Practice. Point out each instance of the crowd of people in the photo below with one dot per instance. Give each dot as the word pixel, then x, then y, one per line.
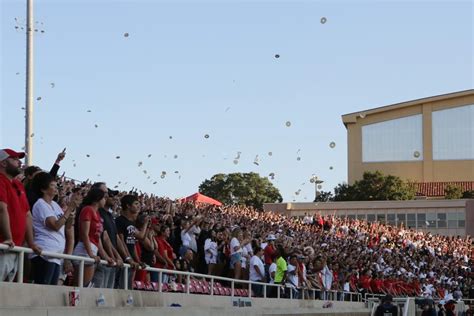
pixel 55 214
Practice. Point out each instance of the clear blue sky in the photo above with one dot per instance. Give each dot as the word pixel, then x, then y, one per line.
pixel 207 67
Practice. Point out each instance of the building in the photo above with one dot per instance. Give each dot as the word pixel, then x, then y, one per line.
pixel 429 141
pixel 444 217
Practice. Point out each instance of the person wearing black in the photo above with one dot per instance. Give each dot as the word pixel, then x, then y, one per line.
pixel 386 308
pixel 128 234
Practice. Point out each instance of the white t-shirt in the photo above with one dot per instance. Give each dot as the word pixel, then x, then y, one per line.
pixel 256 261
pixel 246 251
pixel 234 243
pixel 272 268
pixel 195 230
pixel 185 238
pixel 210 248
pixel 48 239
pixel 292 275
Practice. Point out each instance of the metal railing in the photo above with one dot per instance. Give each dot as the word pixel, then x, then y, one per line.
pixel 329 295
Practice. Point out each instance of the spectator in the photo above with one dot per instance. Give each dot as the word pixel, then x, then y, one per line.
pixel 90 229
pixel 128 234
pixel 236 253
pixel 257 271
pixel 15 215
pixel 386 308
pixel 50 223
pixel 165 255
pixel 104 276
pixel 210 248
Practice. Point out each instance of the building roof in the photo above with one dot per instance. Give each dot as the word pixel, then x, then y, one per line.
pixel 352 117
pixel 435 189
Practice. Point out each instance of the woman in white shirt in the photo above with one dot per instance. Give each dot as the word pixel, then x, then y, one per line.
pixel 210 252
pixel 49 225
pixel 257 271
pixel 236 253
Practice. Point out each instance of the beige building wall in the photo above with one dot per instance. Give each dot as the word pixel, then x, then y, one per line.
pixel 427 170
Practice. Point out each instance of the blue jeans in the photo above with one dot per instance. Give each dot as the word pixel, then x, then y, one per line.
pixel 104 277
pixel 44 272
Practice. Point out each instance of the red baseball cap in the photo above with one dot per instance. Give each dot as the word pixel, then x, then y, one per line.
pixel 9 153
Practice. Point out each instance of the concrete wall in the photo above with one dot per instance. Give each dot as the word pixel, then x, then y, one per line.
pixel 38 300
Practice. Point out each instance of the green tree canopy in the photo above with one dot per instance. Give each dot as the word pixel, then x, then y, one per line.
pixel 452 192
pixel 241 188
pixel 374 186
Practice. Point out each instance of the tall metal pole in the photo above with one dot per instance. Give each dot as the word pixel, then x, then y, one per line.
pixel 30 31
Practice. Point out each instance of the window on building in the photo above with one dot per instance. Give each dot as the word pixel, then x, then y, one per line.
pixel 461 220
pixel 401 219
pixel 431 220
pixel 421 220
pixel 351 216
pixel 381 218
pixel 394 140
pixel 391 219
pixel 452 220
pixel 411 220
pixel 453 133
pixel 361 217
pixel 370 218
pixel 442 220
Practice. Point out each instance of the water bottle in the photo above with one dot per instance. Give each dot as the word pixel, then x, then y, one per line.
pixel 101 300
pixel 130 300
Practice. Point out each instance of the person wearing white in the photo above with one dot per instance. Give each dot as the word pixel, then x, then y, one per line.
pixel 210 252
pixel 257 271
pixel 271 271
pixel 236 252
pixel 327 278
pixel 293 276
pixel 49 226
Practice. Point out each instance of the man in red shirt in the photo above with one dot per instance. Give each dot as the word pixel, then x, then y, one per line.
pixel 15 216
pixel 268 253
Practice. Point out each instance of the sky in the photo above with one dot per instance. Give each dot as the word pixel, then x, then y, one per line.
pixel 193 68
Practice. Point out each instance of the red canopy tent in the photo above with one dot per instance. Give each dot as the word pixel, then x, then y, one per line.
pixel 200 198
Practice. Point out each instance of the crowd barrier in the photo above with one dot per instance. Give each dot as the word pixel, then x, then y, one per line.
pixel 214 287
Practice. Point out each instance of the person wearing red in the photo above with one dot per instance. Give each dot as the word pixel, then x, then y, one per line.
pixel 165 252
pixel 15 215
pixel 268 253
pixel 90 229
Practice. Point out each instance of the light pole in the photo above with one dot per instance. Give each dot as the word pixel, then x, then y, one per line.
pixel 314 179
pixel 30 31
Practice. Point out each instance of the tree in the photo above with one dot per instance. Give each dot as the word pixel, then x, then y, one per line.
pixel 241 188
pixel 374 186
pixel 452 192
pixel 324 196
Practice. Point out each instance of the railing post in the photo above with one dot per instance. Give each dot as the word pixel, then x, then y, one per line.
pixel 265 290
pixel 250 289
pixel 278 291
pixel 291 293
pixel 212 286
pixel 21 265
pixel 160 281
pixel 188 283
pixel 232 286
pixel 125 278
pixel 81 274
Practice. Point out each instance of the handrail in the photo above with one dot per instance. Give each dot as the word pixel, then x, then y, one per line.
pixel 23 250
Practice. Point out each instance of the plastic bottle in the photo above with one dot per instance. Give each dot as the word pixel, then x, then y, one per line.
pixel 101 300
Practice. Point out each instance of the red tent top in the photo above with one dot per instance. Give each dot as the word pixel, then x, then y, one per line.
pixel 200 198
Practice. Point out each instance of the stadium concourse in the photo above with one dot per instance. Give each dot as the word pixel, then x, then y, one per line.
pixel 308 260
